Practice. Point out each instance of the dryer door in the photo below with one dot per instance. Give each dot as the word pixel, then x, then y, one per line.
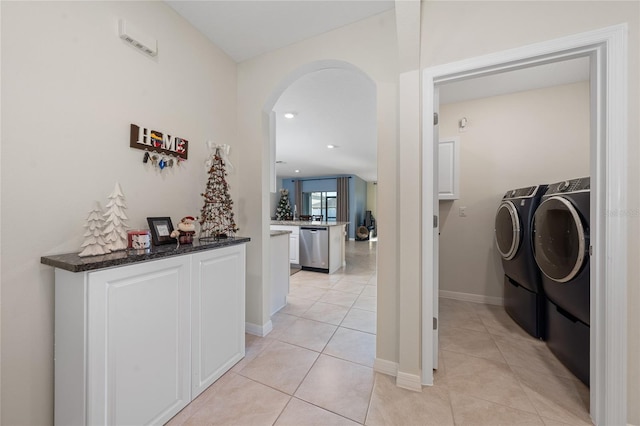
pixel 508 232
pixel 559 239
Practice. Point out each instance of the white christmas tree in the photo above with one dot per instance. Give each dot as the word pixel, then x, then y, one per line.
pixel 94 244
pixel 115 230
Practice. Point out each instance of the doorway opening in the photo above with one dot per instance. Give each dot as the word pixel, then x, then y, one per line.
pixel 323 127
pixel 606 50
pixel 312 146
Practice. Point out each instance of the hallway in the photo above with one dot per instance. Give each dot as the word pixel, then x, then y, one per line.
pixel 315 367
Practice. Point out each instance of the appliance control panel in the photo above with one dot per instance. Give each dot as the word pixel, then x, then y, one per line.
pixel 572 185
pixel 528 192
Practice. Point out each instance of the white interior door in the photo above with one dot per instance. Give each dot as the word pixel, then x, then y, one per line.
pixel 435 199
pixel 430 240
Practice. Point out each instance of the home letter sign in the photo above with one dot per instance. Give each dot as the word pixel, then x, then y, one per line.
pixel 153 140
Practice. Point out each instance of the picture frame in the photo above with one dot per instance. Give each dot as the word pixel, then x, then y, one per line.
pixel 161 229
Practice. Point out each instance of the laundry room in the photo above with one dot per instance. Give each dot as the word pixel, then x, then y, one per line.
pixel 510 141
pixel 517 138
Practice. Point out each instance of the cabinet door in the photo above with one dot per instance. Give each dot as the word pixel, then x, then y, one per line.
pixel 449 169
pixel 280 271
pixel 294 248
pixel 217 303
pixel 139 333
pixel 294 241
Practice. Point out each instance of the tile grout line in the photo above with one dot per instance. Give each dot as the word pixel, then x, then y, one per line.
pixel 338 326
pixel 494 338
pixel 520 383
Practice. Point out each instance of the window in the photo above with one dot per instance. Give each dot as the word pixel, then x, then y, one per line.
pixel 321 203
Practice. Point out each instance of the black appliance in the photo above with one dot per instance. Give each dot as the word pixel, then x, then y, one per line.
pixel 561 249
pixel 523 296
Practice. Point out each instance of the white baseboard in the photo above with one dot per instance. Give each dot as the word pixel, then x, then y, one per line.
pixel 258 330
pixel 383 366
pixel 475 298
pixel 403 380
pixel 409 381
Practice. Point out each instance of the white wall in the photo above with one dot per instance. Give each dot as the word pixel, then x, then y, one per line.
pixel 455 30
pixel 70 89
pixel 511 141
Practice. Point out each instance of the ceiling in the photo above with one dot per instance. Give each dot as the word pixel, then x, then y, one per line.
pixel 335 106
pixel 549 75
pixel 245 29
pixel 332 107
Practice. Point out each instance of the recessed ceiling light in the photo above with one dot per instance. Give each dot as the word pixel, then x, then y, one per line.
pixel 332 146
pixel 297 171
pixel 289 115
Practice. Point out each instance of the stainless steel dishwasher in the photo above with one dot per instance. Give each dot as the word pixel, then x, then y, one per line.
pixel 314 248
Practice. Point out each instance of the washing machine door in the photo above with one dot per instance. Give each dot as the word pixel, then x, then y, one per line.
pixel 559 239
pixel 508 232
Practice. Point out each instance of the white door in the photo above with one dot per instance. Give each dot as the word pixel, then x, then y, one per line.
pixel 430 239
pixel 435 199
pixel 139 332
pixel 217 308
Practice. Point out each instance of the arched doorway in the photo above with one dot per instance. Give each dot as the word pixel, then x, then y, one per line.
pixel 330 103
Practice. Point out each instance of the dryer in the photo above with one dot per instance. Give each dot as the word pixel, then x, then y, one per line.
pixel 561 248
pixel 523 299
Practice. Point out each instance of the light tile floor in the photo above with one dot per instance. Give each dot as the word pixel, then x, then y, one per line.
pixel 315 367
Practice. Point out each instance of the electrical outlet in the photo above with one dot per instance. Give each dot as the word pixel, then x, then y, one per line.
pixel 462 211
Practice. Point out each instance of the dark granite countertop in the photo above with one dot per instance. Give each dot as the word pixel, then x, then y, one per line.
pixel 74 263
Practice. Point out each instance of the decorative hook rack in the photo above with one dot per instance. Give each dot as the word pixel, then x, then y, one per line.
pixel 162 150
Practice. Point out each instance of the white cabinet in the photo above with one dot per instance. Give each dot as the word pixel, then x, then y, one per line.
pixel 336 248
pixel 217 305
pixel 135 344
pixel 294 247
pixel 280 271
pixel 449 169
pixel 294 241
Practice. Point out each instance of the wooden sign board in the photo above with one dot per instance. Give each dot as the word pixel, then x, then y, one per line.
pixel 153 140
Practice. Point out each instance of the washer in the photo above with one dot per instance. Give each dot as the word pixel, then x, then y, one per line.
pixel 561 249
pixel 523 299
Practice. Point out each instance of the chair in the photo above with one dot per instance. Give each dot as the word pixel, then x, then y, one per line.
pixel 306 217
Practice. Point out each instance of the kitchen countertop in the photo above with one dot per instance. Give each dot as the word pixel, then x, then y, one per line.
pixel 74 263
pixel 307 223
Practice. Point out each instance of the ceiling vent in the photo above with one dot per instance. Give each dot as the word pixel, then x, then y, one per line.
pixel 137 38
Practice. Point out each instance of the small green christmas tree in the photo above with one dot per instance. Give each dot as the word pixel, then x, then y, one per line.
pixel 283 211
